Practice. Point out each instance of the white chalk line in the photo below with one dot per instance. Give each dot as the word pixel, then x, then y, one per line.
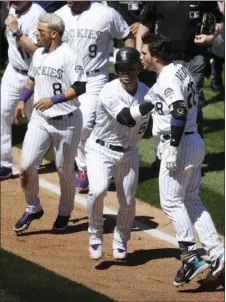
pixel 107 211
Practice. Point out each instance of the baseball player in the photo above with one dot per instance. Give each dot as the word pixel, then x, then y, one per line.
pixel 57 78
pixel 89 28
pixel 181 151
pixel 112 152
pixel 21 25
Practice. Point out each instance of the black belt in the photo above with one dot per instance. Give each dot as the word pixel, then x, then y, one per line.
pixel 92 72
pixel 167 136
pixel 61 117
pixel 112 147
pixel 21 71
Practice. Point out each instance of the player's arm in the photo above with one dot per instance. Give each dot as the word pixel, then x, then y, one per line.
pixel 21 38
pixel 145 24
pixel 128 116
pixel 120 30
pixel 69 94
pixel 24 97
pixel 177 122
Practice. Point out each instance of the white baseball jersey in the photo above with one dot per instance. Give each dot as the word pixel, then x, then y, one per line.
pixel 89 34
pixel 113 98
pixel 173 84
pixel 27 23
pixel 53 73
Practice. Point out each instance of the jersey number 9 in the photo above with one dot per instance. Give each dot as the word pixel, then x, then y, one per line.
pixel 92 51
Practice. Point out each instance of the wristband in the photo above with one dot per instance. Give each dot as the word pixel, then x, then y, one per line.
pixel 17 34
pixel 25 95
pixel 58 98
pixel 135 112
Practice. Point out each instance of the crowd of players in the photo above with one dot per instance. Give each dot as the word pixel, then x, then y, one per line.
pixel 137 25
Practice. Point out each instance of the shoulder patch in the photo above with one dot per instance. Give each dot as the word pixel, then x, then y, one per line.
pixel 79 69
pixel 168 92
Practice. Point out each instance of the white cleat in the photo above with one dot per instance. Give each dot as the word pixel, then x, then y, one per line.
pixel 119 254
pixel 95 251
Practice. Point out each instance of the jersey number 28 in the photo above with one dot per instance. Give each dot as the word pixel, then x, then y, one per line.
pixel 191 94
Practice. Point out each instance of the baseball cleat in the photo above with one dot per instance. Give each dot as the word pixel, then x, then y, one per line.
pixel 24 222
pixel 119 254
pixel 60 223
pixel 189 270
pixel 5 173
pixel 95 251
pixel 82 182
pixel 217 265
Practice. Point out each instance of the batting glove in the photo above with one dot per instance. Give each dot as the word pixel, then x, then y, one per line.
pixel 171 160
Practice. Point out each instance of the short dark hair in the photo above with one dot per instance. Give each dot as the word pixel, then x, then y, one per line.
pixel 158 45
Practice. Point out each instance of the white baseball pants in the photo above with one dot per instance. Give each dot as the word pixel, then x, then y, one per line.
pixel 64 135
pixel 88 107
pixel 102 164
pixel 11 87
pixel 179 194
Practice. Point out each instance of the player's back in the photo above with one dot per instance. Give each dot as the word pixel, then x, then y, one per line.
pixel 113 98
pixel 90 32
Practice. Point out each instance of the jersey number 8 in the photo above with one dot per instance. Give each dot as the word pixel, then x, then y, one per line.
pixel 57 88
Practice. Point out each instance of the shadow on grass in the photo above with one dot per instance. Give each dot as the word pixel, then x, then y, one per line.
pixel 23 281
pixel 213 125
pixel 214 162
pixel 140 257
pixel 217 98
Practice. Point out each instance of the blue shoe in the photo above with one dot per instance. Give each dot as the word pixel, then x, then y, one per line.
pixel 189 270
pixel 24 222
pixel 217 265
pixel 5 172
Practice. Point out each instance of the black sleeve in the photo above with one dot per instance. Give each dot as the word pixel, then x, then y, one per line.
pixel 125 118
pixel 146 14
pixel 79 87
pixel 212 7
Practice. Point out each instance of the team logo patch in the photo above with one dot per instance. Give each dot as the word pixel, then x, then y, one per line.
pixel 79 69
pixel 124 55
pixel 168 92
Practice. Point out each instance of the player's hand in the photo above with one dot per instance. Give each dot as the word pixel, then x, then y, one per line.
pixel 203 40
pixel 171 161
pixel 43 104
pixel 134 28
pixel 12 23
pixel 19 112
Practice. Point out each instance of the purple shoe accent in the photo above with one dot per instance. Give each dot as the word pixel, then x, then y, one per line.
pixel 95 246
pixel 121 250
pixel 25 217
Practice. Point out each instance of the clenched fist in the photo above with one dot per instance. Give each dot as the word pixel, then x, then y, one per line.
pixel 12 23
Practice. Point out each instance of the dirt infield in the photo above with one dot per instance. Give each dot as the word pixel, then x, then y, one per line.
pixel 147 276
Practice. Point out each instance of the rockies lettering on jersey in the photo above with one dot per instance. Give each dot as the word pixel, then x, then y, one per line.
pixel 48 71
pixel 90 34
pixel 53 73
